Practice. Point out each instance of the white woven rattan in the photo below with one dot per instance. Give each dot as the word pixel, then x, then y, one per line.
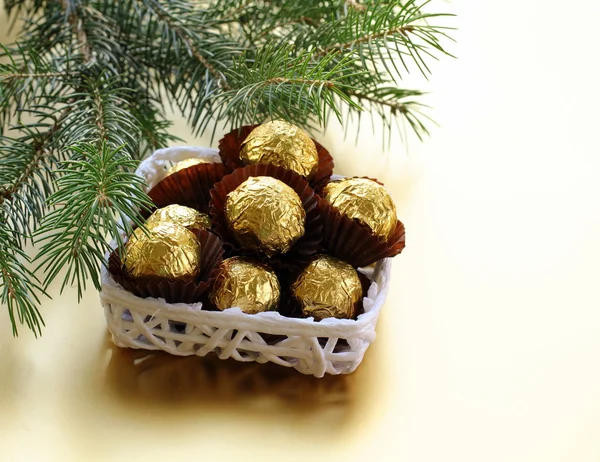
pixel 331 346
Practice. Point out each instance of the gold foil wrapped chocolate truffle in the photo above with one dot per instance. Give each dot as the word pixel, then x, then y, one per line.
pixel 265 214
pixel 327 287
pixel 365 200
pixel 282 144
pixel 166 250
pixel 186 163
pixel 245 283
pixel 182 216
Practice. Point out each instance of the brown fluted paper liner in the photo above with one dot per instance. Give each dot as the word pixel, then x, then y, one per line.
pixel 173 291
pixel 365 283
pixel 306 246
pixel 189 187
pixel 231 143
pixel 351 241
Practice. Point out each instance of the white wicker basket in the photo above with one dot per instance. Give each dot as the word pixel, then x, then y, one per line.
pixel 185 329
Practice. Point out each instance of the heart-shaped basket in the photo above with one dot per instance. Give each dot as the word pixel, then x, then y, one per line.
pixel 331 346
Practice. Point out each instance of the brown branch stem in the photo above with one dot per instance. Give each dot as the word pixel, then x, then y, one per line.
pixel 327 83
pixel 404 30
pixel 355 5
pixel 99 115
pixel 400 107
pixel 25 75
pixel 77 26
pixel 164 16
pixel 39 149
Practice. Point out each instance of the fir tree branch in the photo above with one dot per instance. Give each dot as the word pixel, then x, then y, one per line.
pixel 22 203
pixel 382 34
pixel 402 30
pixel 83 92
pixel 99 114
pixel 395 105
pixel 74 234
pixel 98 194
pixel 18 285
pixel 259 86
pixel 391 104
pixel 26 174
pixel 7 192
pixel 183 46
pixel 25 78
pixel 186 38
pixel 95 112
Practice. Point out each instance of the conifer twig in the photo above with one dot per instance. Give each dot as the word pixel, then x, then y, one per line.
pixel 83 92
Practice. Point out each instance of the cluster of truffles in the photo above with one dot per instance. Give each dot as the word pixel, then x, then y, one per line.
pixel 264 218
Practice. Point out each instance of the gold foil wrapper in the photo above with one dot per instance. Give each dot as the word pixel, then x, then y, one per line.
pixel 327 288
pixel 282 144
pixel 245 283
pixel 186 164
pixel 182 216
pixel 365 200
pixel 265 214
pixel 166 251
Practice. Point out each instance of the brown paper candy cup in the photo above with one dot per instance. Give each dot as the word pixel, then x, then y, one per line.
pixel 177 291
pixel 351 241
pixel 365 283
pixel 231 144
pixel 306 246
pixel 189 187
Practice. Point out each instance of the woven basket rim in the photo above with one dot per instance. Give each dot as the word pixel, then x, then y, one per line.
pixel 112 292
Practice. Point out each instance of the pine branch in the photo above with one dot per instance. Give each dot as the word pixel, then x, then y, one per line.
pixel 82 93
pixel 382 34
pixel 27 77
pixel 391 105
pixel 259 87
pixel 18 285
pixel 185 36
pixel 97 196
pixel 182 45
pixel 8 191
pixel 100 113
pixel 96 111
pixel 26 174
pixel 103 136
pixel 257 21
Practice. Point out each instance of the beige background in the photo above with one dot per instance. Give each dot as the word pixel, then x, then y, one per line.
pixel 489 344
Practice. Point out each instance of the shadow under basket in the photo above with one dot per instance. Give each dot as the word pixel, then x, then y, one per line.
pixel 331 346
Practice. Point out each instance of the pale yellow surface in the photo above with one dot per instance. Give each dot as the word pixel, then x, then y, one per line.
pixel 488 348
